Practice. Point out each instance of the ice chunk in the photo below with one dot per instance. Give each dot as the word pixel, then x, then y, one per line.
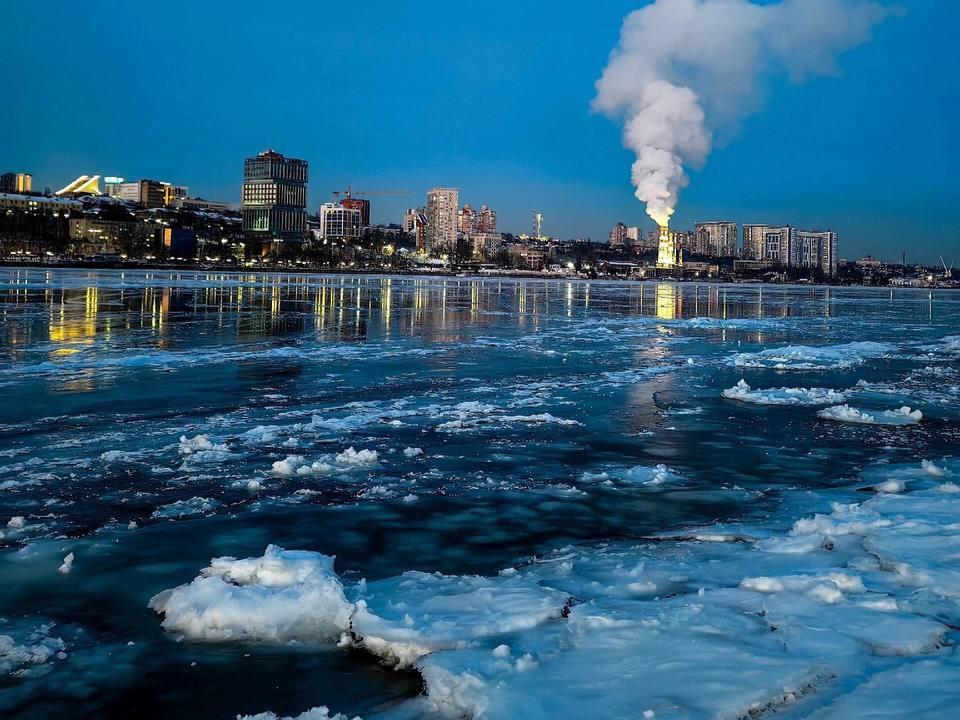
pixel 845 413
pixel 317 713
pixel 538 419
pixel 412 452
pixel 183 508
pixel 804 357
pixel 26 648
pixel 122 456
pixel 283 596
pixel 349 459
pixel 294 465
pixel 891 486
pixel 637 475
pixel 67 565
pixel 358 458
pixel 784 395
pixel 200 443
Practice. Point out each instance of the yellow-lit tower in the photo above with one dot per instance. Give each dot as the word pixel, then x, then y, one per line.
pixel 668 256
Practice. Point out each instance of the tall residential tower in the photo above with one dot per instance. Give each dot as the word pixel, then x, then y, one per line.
pixel 718 239
pixel 443 206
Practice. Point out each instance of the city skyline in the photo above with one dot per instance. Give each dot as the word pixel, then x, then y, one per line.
pixel 893 195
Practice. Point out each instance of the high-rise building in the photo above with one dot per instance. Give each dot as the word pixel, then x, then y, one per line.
pixel 634 236
pixel 415 223
pixel 776 243
pixel 618 236
pixel 410 219
pixel 274 200
pixel 754 239
pixel 16 182
pixel 815 250
pixel 488 220
pixel 697 243
pixel 719 239
pixel 442 210
pixel 339 221
pixel 361 205
pixel 467 220
pixel 653 239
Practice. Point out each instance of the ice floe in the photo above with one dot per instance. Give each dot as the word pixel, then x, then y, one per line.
pixel 185 508
pixel 949 345
pixel 637 476
pixel 317 713
pixel 122 456
pixel 784 395
pixel 848 414
pixel 762 623
pixel 804 357
pixel 27 649
pixel 746 324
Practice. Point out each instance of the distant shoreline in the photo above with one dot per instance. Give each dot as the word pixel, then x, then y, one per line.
pixel 421 272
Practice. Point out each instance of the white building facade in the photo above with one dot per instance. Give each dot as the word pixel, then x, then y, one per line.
pixel 443 205
pixel 337 221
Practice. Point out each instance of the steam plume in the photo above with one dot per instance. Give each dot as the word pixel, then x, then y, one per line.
pixel 685 69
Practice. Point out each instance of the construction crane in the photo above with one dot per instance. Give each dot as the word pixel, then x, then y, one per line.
pixel 947 271
pixel 350 192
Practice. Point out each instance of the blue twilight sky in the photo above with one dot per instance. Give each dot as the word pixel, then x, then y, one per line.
pixel 491 97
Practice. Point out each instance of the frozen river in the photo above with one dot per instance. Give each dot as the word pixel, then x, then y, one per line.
pixel 545 499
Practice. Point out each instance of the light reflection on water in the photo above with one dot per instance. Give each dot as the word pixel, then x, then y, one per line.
pixel 347 306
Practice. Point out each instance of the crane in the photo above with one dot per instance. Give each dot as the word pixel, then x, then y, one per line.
pixel 350 192
pixel 947 271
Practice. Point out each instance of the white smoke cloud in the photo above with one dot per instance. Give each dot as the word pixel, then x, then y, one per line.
pixel 685 68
